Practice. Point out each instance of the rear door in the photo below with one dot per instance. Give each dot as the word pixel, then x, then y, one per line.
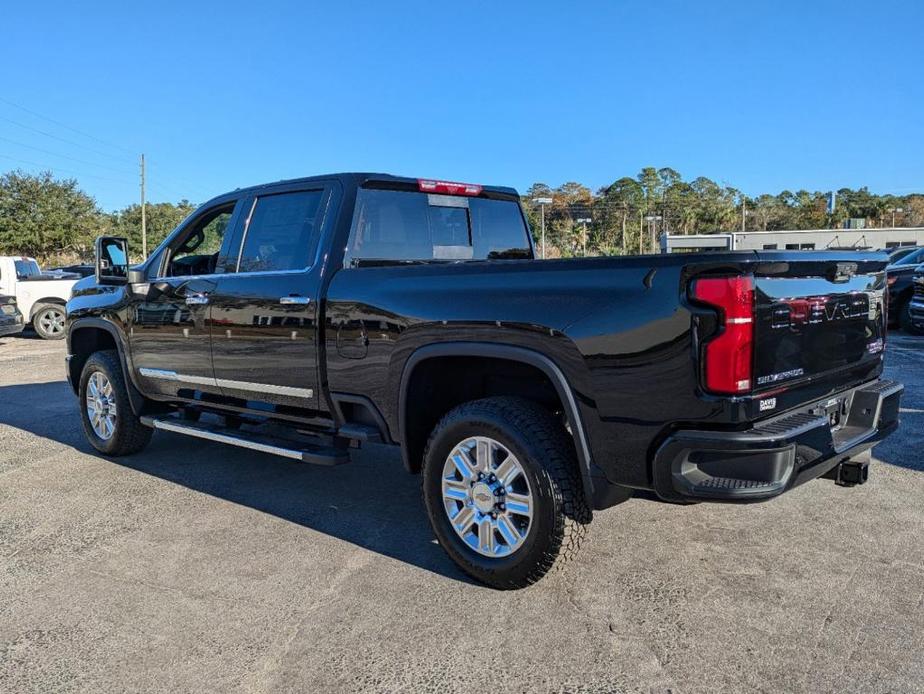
pixel 264 314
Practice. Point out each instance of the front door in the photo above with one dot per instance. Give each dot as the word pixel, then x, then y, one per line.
pixel 170 333
pixel 264 316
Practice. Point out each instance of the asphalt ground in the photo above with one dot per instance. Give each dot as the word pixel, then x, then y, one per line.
pixel 195 567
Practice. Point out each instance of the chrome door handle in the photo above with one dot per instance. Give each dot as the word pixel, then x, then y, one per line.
pixel 197 299
pixel 295 300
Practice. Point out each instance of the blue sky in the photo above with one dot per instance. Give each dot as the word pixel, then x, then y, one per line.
pixel 763 96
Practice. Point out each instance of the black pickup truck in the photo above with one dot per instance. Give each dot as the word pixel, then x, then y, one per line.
pixel 306 317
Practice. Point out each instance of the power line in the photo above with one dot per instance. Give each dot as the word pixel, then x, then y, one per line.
pixel 63 156
pixel 185 184
pixel 64 125
pixel 53 169
pixel 61 139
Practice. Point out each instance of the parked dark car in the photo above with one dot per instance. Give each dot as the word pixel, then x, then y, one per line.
pixel 896 254
pixel 11 320
pixel 900 289
pixel 303 317
pixel 915 323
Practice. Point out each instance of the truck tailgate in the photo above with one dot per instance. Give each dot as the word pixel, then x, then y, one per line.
pixel 816 319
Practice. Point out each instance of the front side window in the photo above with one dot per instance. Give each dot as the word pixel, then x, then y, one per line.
pixel 198 252
pixel 390 225
pixel 282 233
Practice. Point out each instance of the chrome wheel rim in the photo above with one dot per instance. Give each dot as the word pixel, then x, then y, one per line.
pixel 52 322
pixel 487 497
pixel 101 405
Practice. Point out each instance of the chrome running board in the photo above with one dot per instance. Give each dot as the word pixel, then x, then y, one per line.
pixel 287 448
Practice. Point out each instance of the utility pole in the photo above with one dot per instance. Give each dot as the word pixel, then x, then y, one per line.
pixel 893 210
pixel 584 221
pixel 744 213
pixel 542 202
pixel 144 226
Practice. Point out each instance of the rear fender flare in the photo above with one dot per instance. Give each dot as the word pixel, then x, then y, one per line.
pixel 511 353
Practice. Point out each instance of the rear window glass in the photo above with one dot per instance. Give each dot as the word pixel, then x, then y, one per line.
pixel 398 225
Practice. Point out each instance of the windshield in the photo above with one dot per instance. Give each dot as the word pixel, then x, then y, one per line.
pixel 26 268
pixel 913 258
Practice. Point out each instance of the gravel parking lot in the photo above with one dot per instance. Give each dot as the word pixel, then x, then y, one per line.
pixel 198 567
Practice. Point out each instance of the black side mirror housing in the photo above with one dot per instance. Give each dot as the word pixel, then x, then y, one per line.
pixel 112 260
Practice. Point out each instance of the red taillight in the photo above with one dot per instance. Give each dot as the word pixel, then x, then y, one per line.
pixel 728 355
pixel 448 187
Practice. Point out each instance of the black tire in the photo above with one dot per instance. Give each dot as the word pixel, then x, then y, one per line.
pixel 549 463
pixel 904 319
pixel 129 435
pixel 48 321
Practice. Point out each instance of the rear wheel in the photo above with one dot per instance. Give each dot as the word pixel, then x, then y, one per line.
pixel 108 421
pixel 48 321
pixel 502 491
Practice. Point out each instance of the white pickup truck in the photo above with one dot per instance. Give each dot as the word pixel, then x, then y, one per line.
pixel 40 297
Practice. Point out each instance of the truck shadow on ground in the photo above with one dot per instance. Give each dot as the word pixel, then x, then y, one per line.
pixel 371 502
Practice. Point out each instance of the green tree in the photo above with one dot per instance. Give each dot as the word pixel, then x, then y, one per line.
pixel 41 216
pixel 160 219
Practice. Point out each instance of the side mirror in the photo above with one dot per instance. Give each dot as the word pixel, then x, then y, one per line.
pixel 111 260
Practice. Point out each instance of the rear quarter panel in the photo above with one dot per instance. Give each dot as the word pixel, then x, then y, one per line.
pixel 617 328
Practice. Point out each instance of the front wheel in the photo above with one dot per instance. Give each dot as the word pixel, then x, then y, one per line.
pixel 503 492
pixel 48 321
pixel 105 410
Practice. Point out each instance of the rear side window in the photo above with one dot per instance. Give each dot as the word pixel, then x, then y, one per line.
pixel 398 225
pixel 282 232
pixel 26 268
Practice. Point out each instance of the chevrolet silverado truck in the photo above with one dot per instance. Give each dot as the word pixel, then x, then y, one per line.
pixel 41 297
pixel 306 317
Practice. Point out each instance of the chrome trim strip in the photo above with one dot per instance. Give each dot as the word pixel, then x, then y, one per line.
pixel 266 388
pixel 224 438
pixel 166 375
pixel 162 374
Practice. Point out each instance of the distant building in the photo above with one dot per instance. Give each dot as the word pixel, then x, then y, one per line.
pixel 803 239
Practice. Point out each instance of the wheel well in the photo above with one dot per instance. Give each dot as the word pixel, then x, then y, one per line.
pixel 83 343
pixel 45 302
pixel 439 384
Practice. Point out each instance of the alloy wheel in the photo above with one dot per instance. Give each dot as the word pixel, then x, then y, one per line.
pixel 101 405
pixel 487 496
pixel 51 321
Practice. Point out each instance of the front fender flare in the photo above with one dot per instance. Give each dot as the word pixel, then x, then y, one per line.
pixel 134 395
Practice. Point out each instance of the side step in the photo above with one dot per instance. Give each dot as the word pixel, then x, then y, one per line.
pixel 317 454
